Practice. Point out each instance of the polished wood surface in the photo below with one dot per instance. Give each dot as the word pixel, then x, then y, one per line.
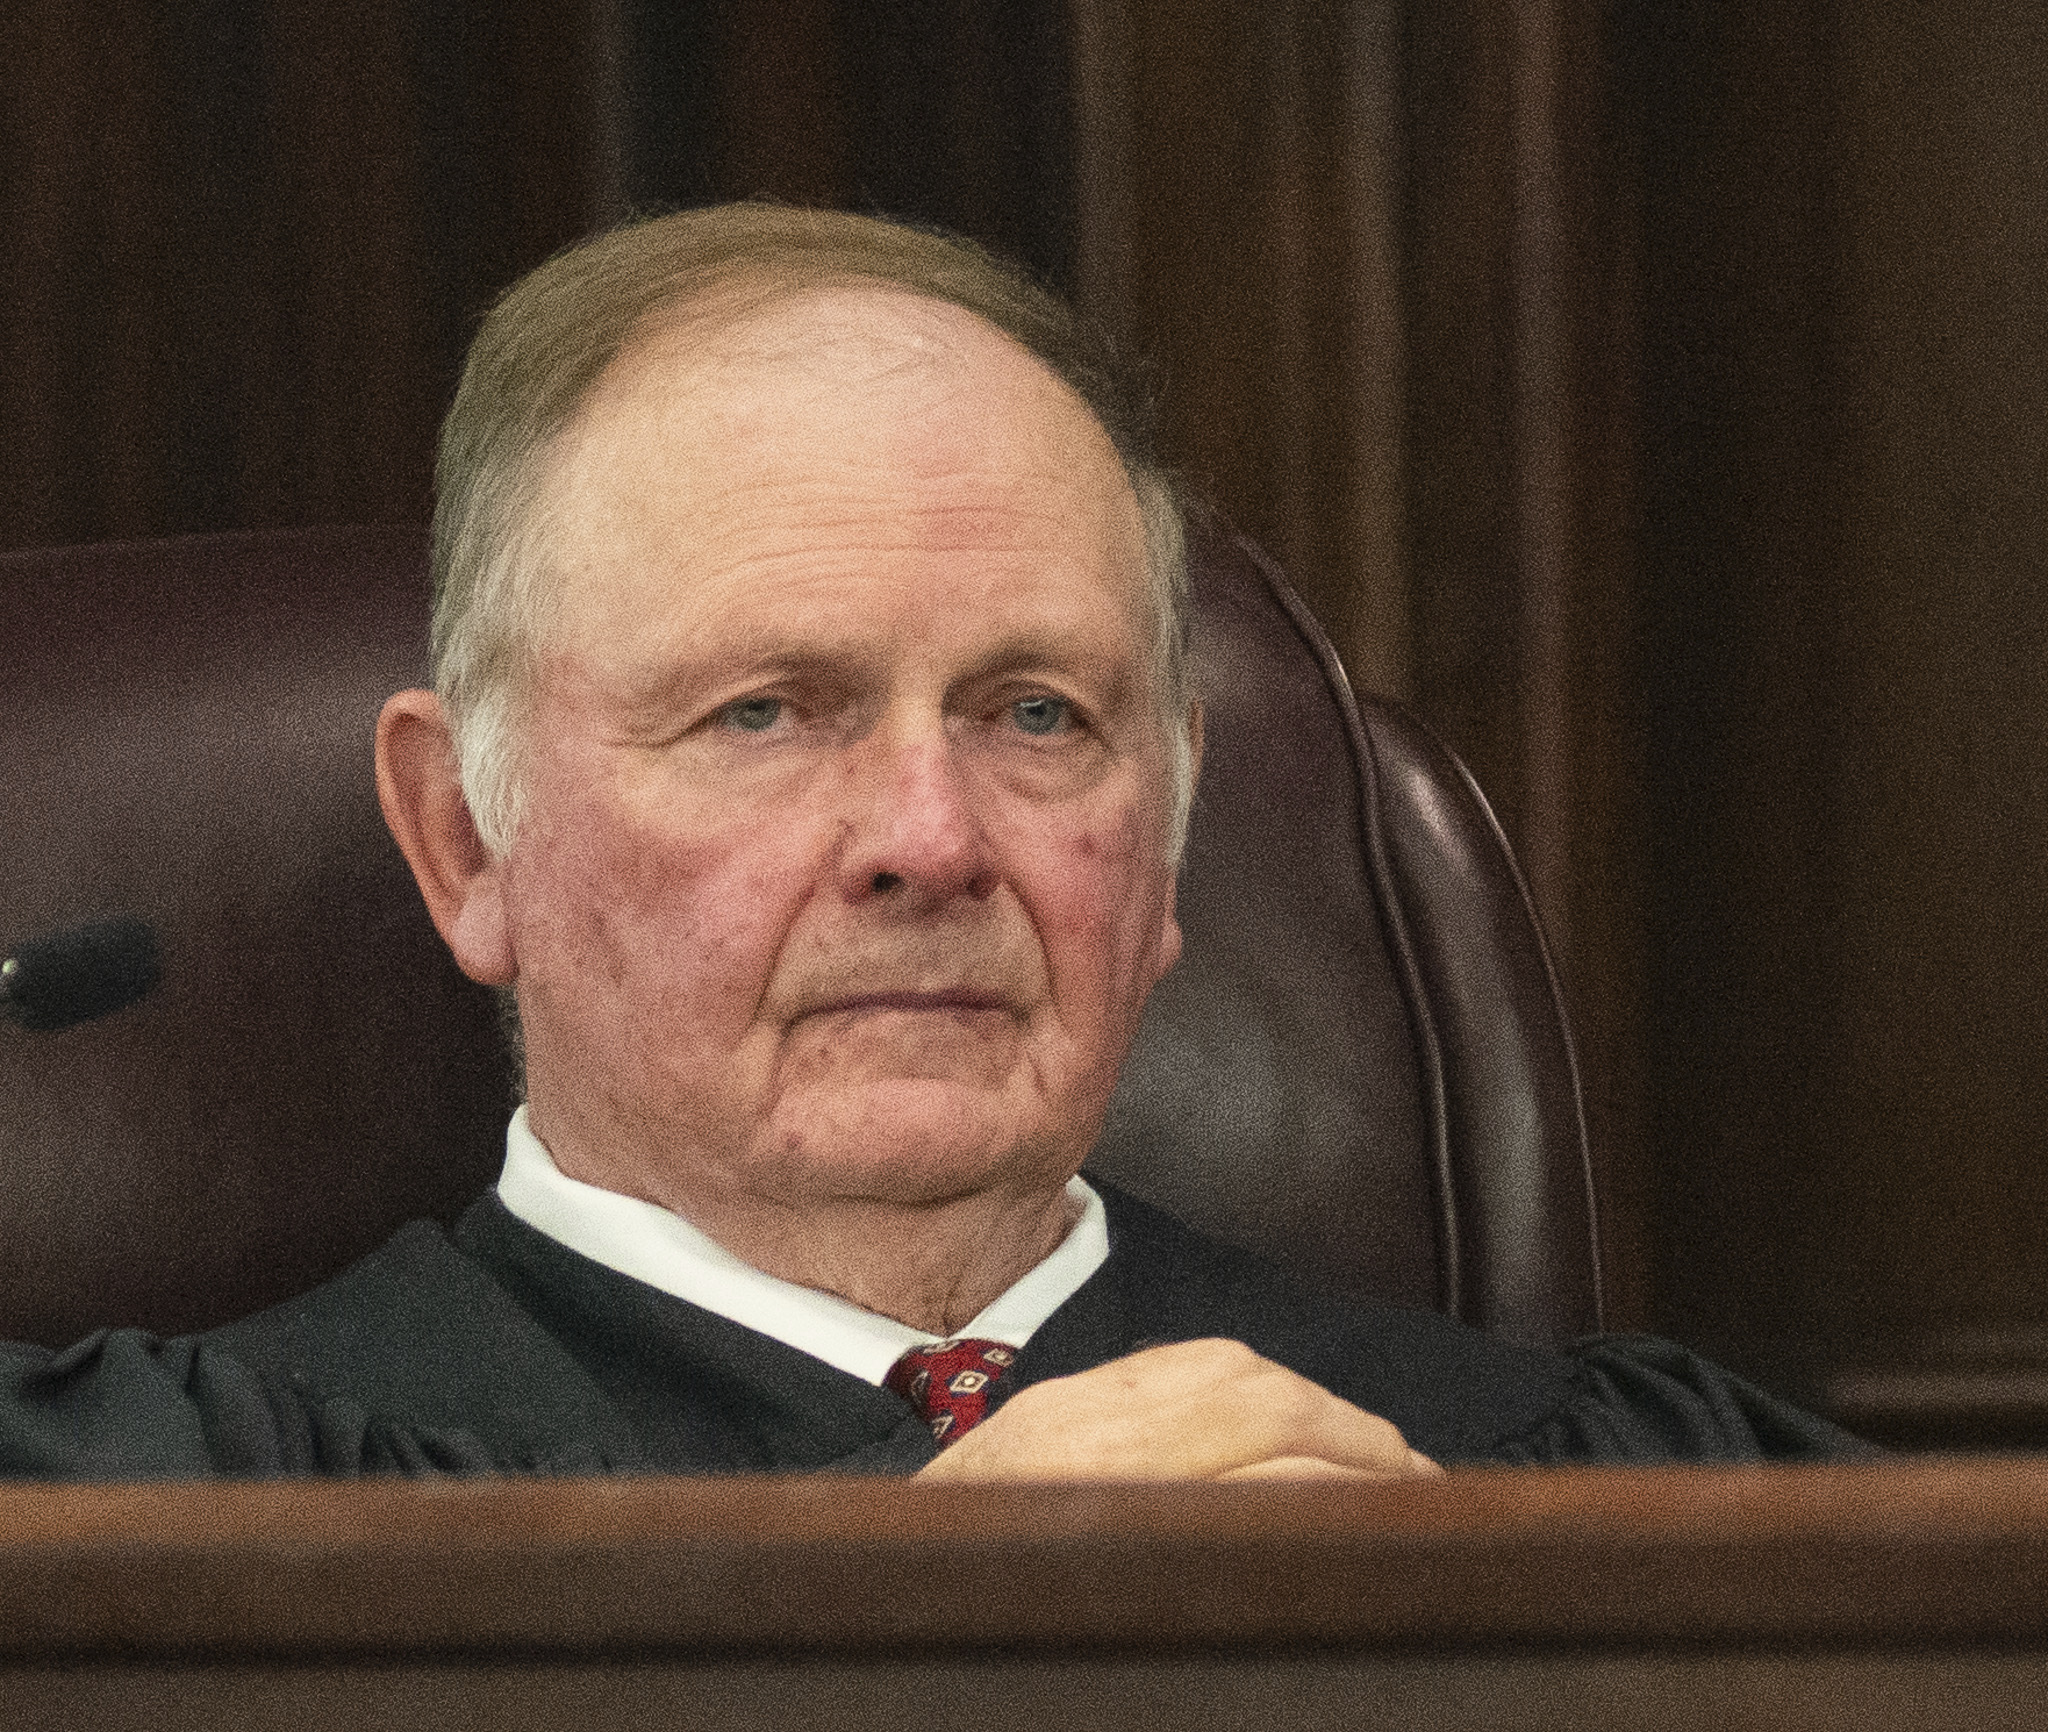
pixel 1939 1553
pixel 1901 1596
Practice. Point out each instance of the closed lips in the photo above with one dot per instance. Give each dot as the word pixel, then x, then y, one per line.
pixel 954 1000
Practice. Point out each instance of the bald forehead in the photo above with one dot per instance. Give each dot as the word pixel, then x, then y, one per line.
pixel 848 331
pixel 863 390
pixel 842 352
pixel 822 427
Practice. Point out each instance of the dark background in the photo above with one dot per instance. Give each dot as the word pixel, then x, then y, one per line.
pixel 1652 394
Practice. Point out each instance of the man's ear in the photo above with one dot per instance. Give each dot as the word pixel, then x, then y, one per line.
pixel 420 789
pixel 1169 932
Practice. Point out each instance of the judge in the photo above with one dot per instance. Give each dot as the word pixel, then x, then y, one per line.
pixel 808 762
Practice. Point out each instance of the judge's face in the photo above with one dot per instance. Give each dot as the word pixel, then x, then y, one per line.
pixel 844 868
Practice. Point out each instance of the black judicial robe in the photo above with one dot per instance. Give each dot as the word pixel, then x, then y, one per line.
pixel 495 1349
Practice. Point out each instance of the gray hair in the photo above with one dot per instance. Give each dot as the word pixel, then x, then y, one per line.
pixel 546 343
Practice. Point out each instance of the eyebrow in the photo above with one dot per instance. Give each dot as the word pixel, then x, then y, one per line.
pixel 833 660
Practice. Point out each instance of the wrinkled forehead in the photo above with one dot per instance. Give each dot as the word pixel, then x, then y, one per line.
pixel 838 333
pixel 864 406
pixel 874 361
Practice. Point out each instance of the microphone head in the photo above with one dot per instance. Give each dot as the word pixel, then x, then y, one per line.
pixel 80 973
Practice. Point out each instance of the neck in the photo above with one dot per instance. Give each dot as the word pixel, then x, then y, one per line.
pixel 931 1264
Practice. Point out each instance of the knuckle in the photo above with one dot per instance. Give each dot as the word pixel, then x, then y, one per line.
pixel 1208 1358
pixel 1230 1358
pixel 1303 1403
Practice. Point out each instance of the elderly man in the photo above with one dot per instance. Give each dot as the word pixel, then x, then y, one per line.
pixel 809 759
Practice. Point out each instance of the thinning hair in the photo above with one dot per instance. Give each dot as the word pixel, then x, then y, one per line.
pixel 542 350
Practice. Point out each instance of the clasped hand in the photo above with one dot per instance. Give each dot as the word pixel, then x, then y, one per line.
pixel 1192 1410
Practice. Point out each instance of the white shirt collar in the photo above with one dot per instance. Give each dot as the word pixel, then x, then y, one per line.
pixel 650 1244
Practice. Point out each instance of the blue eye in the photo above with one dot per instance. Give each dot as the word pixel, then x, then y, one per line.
pixel 752 715
pixel 1040 715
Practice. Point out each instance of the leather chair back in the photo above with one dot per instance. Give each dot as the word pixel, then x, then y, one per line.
pixel 1361 1064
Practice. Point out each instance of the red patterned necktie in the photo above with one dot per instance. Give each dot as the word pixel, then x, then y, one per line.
pixel 948 1382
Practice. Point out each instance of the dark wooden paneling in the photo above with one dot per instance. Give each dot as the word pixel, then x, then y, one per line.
pixel 248 242
pixel 921 109
pixel 781 105
pixel 1938 1073
pixel 963 118
pixel 1519 258
pixel 1242 246
pixel 1458 265
pixel 1846 385
pixel 1739 549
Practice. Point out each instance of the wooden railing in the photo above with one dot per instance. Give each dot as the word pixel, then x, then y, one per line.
pixel 1870 1594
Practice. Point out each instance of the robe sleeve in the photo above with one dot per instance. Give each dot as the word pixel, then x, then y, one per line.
pixel 124 1405
pixel 1637 1399
pixel 121 1404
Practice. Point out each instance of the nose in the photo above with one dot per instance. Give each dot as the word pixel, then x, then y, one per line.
pixel 913 835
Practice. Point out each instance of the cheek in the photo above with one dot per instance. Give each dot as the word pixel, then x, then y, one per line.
pixel 1098 895
pixel 655 925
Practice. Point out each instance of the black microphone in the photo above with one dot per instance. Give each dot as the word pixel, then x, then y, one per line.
pixel 80 973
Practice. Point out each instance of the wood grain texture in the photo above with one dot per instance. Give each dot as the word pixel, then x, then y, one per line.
pixel 1939 1554
pixel 1844 1691
pixel 1845 378
pixel 248 243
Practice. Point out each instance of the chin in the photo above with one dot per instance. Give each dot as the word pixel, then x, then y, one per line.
pixel 912 1142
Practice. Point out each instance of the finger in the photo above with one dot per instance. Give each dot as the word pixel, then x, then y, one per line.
pixel 1310 1467
pixel 1183 1410
pixel 1304 1419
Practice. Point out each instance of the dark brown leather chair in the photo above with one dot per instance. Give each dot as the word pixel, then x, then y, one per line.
pixel 1361 1065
